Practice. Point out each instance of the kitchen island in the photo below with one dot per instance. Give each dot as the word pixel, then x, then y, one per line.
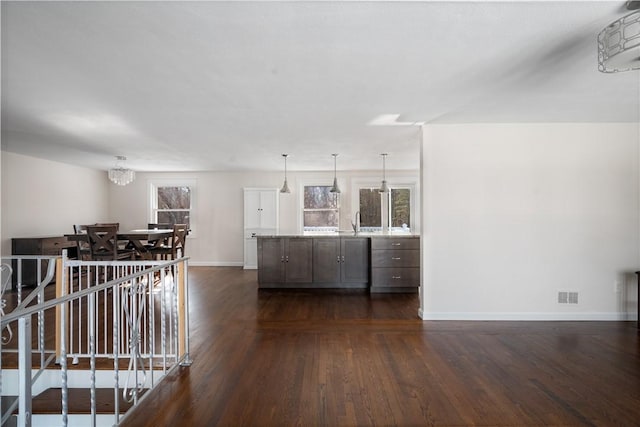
pixel 379 262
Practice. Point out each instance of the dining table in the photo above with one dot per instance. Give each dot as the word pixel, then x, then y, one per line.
pixel 136 239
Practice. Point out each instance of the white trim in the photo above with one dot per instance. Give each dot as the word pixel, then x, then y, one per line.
pixel 216 263
pixel 527 316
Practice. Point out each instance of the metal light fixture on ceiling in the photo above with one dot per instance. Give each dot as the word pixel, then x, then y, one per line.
pixel 619 43
pixel 335 188
pixel 384 188
pixel 285 186
pixel 119 174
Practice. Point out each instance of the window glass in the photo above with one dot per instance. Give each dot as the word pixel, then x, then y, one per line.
pixel 174 198
pixel 400 207
pixel 370 207
pixel 173 205
pixel 319 197
pixel 321 210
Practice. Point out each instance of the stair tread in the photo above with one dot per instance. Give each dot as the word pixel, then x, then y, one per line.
pixel 50 401
pixel 10 361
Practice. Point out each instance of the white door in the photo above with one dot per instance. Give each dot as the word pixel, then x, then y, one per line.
pixel 269 209
pixel 252 208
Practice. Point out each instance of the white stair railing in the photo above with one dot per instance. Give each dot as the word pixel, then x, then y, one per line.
pixel 132 310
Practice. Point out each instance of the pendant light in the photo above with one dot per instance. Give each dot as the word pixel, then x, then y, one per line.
pixel 285 186
pixel 335 188
pixel 384 188
pixel 121 175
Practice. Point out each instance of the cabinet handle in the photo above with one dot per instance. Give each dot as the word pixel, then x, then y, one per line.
pixel 395 257
pixel 396 277
pixel 395 244
pixel 287 258
pixel 342 258
pixel 338 258
pixel 282 258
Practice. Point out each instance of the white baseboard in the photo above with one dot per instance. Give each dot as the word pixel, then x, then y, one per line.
pixel 216 263
pixel 594 316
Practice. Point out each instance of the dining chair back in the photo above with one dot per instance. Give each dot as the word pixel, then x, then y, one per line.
pixel 109 224
pixel 103 243
pixel 175 244
pixel 179 239
pixel 84 251
pixel 158 226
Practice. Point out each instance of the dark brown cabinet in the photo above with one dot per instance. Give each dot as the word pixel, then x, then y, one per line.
pixel 51 245
pixel 395 264
pixel 341 262
pixel 284 261
pixel 385 263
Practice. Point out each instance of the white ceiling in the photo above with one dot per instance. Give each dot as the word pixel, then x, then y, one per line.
pixel 182 86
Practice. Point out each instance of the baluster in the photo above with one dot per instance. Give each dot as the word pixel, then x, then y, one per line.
pixel 92 354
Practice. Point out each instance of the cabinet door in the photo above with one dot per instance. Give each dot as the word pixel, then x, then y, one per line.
pixel 355 264
pixel 250 253
pixel 298 260
pixel 270 260
pixel 251 209
pixel 269 209
pixel 326 260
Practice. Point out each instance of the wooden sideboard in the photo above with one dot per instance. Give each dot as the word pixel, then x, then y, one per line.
pixel 50 245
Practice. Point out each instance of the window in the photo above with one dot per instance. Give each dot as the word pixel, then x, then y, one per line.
pixel 371 205
pixel 172 203
pixel 400 208
pixel 321 210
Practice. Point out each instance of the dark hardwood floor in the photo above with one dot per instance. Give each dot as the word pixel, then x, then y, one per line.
pixel 330 358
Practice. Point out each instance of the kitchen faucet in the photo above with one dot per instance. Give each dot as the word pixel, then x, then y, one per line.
pixel 356 225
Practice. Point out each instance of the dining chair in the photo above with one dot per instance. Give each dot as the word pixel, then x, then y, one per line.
pixel 103 243
pixel 84 251
pixel 109 224
pixel 176 243
pixel 158 242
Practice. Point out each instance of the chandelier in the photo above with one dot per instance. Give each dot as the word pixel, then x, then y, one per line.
pixel 121 175
pixel 619 43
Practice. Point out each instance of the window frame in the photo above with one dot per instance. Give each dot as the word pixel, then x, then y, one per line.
pixel 153 210
pixel 410 183
pixel 315 182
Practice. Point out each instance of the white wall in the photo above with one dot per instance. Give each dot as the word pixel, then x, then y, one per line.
pixel 45 198
pixel 219 201
pixel 514 213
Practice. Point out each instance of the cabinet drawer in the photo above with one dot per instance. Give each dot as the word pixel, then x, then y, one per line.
pixel 390 277
pixel 395 243
pixel 55 245
pixel 395 258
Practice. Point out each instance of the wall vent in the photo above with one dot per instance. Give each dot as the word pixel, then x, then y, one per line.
pixel 565 297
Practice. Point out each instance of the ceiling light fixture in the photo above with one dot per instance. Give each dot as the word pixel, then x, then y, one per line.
pixel 619 43
pixel 335 188
pixel 285 186
pixel 121 175
pixel 384 188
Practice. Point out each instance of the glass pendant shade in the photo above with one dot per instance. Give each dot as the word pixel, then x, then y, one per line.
pixel 121 175
pixel 384 188
pixel 334 188
pixel 285 186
